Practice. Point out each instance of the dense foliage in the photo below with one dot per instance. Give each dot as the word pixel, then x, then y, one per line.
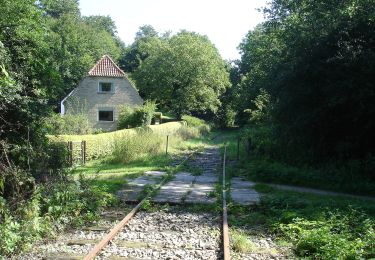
pixel 47 211
pixel 315 60
pixel 184 73
pixel 46 47
pixel 135 117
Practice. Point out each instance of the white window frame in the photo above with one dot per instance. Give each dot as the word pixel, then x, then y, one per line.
pixel 105 92
pixel 106 109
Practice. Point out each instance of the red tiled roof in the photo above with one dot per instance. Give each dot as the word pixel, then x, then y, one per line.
pixel 107 68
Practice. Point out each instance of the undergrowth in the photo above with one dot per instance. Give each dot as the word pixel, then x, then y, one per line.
pixel 316 227
pixel 50 209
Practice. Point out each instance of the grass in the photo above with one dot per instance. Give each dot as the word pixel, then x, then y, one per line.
pixel 259 167
pixel 111 177
pixel 240 242
pixel 315 226
pixel 111 173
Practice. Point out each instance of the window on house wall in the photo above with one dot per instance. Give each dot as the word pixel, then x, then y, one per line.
pixel 105 87
pixel 105 114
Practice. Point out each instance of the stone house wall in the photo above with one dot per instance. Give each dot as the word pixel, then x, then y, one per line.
pixel 87 99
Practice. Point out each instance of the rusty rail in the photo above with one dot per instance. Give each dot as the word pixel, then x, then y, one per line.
pixel 226 247
pixel 98 247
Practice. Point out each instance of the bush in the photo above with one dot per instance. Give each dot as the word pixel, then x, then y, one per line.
pixel 68 124
pixel 51 207
pixel 135 117
pixel 198 123
pixel 193 121
pixel 126 118
pixel 145 113
pixel 337 235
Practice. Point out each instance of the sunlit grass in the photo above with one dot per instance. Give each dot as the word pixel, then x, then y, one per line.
pixel 241 243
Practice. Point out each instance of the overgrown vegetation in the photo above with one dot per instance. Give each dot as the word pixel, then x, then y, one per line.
pixel 317 227
pixel 135 117
pixel 42 212
pixel 264 161
pixel 69 124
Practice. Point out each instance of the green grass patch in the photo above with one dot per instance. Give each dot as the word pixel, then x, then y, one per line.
pixel 263 170
pixel 111 177
pixel 241 243
pixel 317 227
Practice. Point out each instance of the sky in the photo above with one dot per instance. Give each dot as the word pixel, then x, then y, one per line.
pixel 224 22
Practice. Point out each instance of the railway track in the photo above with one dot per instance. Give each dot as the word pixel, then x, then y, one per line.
pixel 167 232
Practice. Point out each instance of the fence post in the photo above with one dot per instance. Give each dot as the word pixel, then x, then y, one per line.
pixel 166 147
pixel 70 149
pixel 238 148
pixel 83 152
pixel 248 146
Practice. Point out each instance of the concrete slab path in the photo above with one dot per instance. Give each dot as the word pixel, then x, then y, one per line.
pixel 188 188
pixel 135 187
pixel 242 193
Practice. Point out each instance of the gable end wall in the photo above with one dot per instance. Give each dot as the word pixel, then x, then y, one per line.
pixel 89 100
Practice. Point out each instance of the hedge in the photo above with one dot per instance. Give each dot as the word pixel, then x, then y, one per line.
pixel 99 145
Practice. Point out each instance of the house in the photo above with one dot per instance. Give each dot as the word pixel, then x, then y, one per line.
pixel 100 95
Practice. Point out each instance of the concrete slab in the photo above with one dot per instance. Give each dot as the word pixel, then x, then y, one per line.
pixel 173 191
pixel 206 179
pixel 184 177
pixel 200 193
pixel 135 186
pixel 141 181
pixel 238 182
pixel 242 193
pixel 155 173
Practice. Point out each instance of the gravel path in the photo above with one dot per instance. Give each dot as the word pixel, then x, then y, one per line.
pixel 75 243
pixel 167 235
pixel 163 234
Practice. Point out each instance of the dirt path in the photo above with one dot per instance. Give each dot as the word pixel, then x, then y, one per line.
pixel 317 191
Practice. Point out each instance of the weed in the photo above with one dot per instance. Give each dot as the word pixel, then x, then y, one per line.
pixel 241 243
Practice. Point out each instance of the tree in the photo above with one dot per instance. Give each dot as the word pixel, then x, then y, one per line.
pixel 102 23
pixel 316 60
pixel 185 73
pixel 138 51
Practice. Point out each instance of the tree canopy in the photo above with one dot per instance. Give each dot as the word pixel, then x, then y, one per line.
pixel 46 47
pixel 316 60
pixel 184 73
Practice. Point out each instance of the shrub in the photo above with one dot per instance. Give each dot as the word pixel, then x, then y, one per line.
pixel 126 118
pixel 198 123
pixel 225 117
pixel 68 124
pixel 135 117
pixel 193 121
pixel 145 113
pixel 337 235
pixel 51 206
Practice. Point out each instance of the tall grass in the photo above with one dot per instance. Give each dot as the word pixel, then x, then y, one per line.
pixel 129 148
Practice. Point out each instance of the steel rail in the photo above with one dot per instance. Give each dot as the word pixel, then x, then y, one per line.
pixel 114 231
pixel 226 247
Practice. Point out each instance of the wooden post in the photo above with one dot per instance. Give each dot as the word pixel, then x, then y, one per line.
pixel 248 146
pixel 166 147
pixel 238 148
pixel 70 150
pixel 83 152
